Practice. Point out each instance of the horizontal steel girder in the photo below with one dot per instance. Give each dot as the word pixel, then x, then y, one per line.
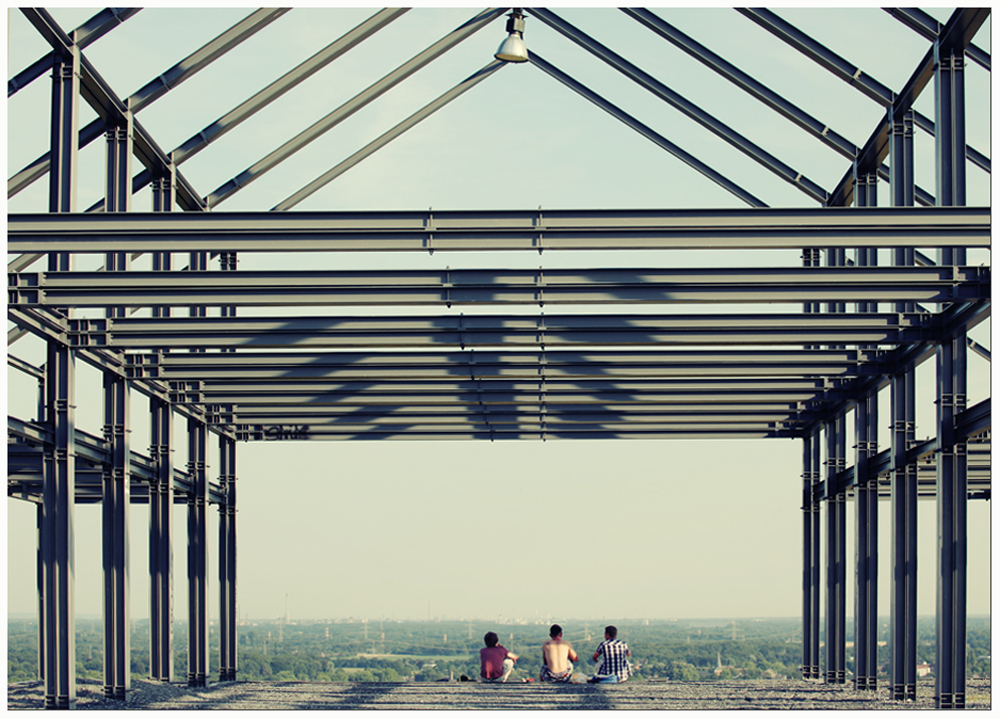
pixel 610 369
pixel 542 433
pixel 447 287
pixel 508 331
pixel 747 392
pixel 480 417
pixel 362 397
pixel 500 230
pixel 362 410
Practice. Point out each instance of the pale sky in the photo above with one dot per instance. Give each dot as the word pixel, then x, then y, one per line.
pixel 567 529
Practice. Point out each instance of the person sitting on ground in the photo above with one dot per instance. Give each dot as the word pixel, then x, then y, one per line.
pixel 496 662
pixel 615 667
pixel 557 658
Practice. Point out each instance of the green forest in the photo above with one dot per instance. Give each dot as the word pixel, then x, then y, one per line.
pixel 424 651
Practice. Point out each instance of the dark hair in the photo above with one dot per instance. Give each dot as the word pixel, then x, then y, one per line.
pixel 491 639
pixel 611 630
pixel 555 631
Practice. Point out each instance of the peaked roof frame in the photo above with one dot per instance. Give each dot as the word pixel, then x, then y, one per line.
pixel 687 371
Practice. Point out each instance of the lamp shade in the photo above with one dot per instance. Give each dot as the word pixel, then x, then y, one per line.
pixel 512 49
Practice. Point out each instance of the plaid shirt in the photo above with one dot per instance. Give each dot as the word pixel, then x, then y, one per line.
pixel 614 659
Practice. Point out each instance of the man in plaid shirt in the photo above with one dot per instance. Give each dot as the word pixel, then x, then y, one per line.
pixel 615 667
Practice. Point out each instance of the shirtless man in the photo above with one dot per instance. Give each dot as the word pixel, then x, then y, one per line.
pixel 557 658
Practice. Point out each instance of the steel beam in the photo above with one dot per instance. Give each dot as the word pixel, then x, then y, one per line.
pixel 203 57
pixel 434 230
pixel 326 123
pixel 161 575
pixel 385 138
pixel 864 285
pixel 484 331
pixel 821 131
pixel 646 131
pixel 820 54
pixel 478 364
pixel 197 556
pixel 682 104
pixel 286 82
pixel 472 415
pixel 490 433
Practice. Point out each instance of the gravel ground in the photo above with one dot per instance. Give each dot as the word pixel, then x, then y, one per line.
pixel 780 694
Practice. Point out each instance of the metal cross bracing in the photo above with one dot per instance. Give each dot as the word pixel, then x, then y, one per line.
pixel 738 343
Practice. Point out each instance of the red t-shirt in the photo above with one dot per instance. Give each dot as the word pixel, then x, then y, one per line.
pixel 492 661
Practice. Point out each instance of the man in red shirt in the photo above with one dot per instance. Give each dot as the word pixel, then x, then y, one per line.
pixel 496 662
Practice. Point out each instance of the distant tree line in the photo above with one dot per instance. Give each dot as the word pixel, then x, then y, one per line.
pixel 431 651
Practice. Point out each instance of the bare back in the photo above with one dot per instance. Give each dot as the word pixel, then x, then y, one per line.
pixel 556 655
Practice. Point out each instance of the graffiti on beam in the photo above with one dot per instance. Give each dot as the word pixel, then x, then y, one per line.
pixel 286 432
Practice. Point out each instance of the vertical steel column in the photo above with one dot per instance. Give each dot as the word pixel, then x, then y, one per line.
pixel 807 638
pixel 59 466
pixel 197 556
pixel 40 584
pixel 164 189
pixel 227 262
pixel 42 413
pixel 810 557
pixel 816 563
pixel 903 501
pixel 836 548
pixel 161 491
pixel 227 561
pixel 952 467
pixel 811 258
pixel 901 161
pixel 903 621
pixel 115 497
pixel 836 500
pixel 63 138
pixel 58 495
pixel 811 522
pixel 866 547
pixel 841 646
pixel 161 552
pixel 866 488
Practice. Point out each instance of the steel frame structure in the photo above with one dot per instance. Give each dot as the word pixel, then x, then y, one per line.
pixel 502 375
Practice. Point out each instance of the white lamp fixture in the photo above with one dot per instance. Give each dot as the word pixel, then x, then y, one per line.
pixel 513 48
